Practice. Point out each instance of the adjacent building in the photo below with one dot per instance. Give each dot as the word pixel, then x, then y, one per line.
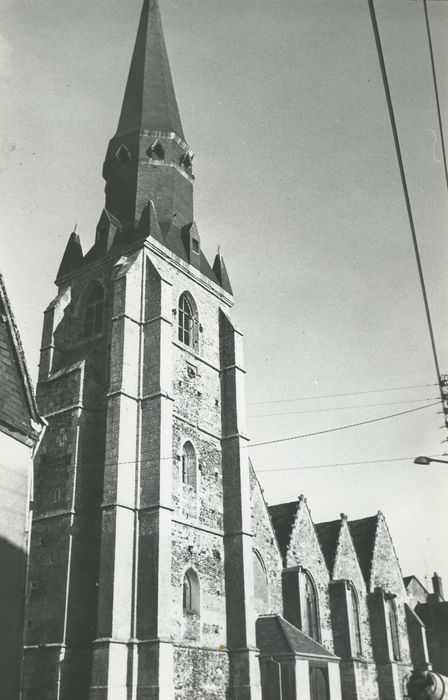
pixel 20 430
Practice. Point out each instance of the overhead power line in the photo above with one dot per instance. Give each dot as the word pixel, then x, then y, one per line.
pixel 205 453
pixel 337 464
pixel 349 393
pixel 341 408
pixel 436 89
pixel 405 187
pixel 342 427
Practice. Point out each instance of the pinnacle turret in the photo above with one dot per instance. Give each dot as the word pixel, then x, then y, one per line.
pixel 73 256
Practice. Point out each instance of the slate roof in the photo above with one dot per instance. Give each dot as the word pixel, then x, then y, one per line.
pixel 168 235
pixel 149 101
pixel 328 536
pixel 363 534
pixel 18 410
pixel 276 637
pixel 283 517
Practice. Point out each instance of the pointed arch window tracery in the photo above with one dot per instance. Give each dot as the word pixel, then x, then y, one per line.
pixel 354 621
pixel 187 321
pixel 391 610
pixel 310 611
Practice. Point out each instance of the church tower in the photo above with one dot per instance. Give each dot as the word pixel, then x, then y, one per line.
pixel 140 582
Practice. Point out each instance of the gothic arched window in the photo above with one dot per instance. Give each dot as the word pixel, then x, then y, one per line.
pixel 93 311
pixel 310 611
pixel 187 321
pixel 353 616
pixel 261 588
pixel 393 628
pixel 191 592
pixel 189 466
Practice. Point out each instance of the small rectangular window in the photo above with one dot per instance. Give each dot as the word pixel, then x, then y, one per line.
pixel 195 245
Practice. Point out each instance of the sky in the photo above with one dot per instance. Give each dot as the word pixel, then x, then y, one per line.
pixel 297 181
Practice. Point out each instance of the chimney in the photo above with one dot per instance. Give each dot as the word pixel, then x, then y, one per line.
pixel 437 586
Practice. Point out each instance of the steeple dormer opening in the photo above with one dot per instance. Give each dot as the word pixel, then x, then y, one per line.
pixel 123 155
pixel 156 151
pixel 187 161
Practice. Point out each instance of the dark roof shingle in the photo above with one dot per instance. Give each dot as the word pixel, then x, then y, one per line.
pixel 276 636
pixel 18 410
pixel 363 534
pixel 328 536
pixel 283 517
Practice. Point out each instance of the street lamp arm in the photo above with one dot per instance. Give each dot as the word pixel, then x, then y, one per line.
pixel 427 460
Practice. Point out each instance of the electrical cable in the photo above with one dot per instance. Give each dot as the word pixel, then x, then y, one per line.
pixel 405 187
pixel 336 396
pixel 342 427
pixel 342 408
pixel 436 89
pixel 337 464
pixel 271 442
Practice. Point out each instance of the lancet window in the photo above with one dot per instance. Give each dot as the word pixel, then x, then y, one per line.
pixel 189 466
pixel 93 319
pixel 187 321
pixel 355 628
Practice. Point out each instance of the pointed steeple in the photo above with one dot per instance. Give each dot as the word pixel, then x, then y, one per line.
pixel 147 158
pixel 149 101
pixel 148 166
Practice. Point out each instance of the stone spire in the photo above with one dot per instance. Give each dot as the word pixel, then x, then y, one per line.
pixel 149 101
pixel 148 158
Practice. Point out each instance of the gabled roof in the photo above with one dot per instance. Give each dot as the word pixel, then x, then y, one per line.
pixel 277 637
pixel 149 101
pixel 363 534
pixel 19 416
pixel 168 235
pixel 283 518
pixel 407 580
pixel 328 536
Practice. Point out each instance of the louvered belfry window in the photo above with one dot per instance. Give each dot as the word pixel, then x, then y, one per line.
pixel 93 311
pixel 187 322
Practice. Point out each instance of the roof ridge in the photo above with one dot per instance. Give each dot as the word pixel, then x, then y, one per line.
pixel 20 355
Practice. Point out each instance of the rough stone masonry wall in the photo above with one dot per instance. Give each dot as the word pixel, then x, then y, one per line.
pixel 386 573
pixel 265 543
pixel 304 550
pixel 346 567
pixel 200 674
pixel 68 475
pixel 200 659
